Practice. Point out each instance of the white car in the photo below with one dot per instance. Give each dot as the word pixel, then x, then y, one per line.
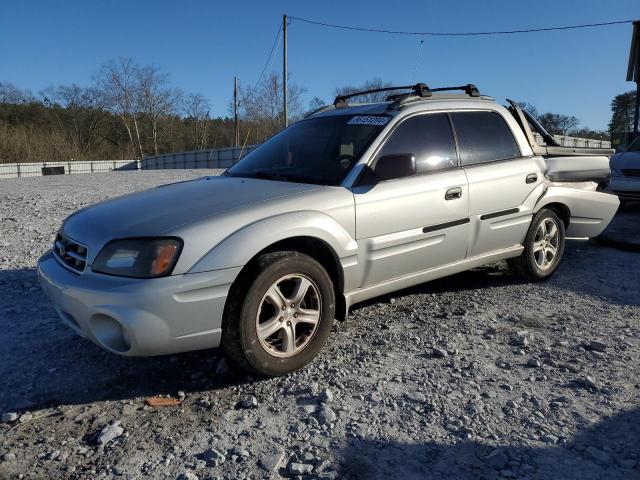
pixel 625 172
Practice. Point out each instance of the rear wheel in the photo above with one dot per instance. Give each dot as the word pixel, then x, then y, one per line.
pixel 543 247
pixel 279 314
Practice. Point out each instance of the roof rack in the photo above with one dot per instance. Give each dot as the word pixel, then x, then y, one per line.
pixel 419 89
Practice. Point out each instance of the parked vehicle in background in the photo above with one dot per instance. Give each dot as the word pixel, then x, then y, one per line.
pixel 625 172
pixel 353 202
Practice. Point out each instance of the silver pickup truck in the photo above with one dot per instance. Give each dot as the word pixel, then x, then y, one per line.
pixel 352 202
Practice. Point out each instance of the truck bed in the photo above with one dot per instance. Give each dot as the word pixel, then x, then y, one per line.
pixel 564 164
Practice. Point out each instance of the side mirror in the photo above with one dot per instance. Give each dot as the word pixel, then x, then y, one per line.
pixel 399 165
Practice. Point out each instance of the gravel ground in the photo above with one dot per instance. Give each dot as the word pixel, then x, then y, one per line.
pixel 474 376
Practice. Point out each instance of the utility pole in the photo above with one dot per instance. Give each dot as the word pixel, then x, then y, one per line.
pixel 284 70
pixel 633 74
pixel 235 111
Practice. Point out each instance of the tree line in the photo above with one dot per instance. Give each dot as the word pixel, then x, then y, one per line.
pixel 131 111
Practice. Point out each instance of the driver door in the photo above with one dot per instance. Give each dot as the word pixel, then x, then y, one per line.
pixel 417 222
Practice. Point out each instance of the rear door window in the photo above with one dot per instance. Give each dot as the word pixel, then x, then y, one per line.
pixel 483 137
pixel 429 138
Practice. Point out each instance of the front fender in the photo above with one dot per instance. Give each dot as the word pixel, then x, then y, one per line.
pixel 241 246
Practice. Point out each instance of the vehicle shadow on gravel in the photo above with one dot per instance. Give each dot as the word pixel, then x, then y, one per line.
pixel 610 449
pixel 45 364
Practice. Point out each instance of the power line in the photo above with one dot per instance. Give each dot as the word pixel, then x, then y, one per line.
pixel 276 41
pixel 459 34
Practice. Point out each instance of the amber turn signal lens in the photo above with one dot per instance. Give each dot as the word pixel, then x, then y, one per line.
pixel 164 259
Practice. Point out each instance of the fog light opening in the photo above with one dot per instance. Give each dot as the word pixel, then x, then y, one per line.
pixel 110 333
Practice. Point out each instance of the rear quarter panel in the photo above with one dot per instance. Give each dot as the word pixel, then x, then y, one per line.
pixel 591 211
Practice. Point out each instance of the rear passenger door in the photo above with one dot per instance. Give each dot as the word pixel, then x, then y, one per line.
pixel 500 180
pixel 415 222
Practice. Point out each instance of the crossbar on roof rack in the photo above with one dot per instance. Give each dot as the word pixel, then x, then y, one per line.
pixel 419 89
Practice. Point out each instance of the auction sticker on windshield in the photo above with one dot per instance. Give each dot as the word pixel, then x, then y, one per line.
pixel 368 120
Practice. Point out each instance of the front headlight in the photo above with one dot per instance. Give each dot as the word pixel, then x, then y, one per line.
pixel 139 257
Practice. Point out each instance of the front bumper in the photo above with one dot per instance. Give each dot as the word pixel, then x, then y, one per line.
pixel 625 187
pixel 139 317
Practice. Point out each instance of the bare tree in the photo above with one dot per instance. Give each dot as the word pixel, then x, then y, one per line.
pixel 117 83
pixel 82 112
pixel 315 104
pixel 196 108
pixel 372 84
pixel 528 107
pixel 155 99
pixel 557 124
pixel 9 93
pixel 262 105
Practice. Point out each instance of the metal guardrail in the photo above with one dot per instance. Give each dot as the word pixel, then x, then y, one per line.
pixel 218 158
pixel 37 169
pixel 576 142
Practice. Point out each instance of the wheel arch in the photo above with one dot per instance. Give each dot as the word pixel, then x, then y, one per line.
pixel 560 209
pixel 315 248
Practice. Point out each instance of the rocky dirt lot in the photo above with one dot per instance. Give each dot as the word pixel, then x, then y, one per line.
pixel 474 376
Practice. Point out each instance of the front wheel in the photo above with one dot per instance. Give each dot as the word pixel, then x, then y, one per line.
pixel 279 315
pixel 543 247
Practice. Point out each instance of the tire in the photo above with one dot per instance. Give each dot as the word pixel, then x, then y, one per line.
pixel 535 264
pixel 267 340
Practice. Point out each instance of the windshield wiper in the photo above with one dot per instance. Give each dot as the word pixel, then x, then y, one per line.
pixel 265 174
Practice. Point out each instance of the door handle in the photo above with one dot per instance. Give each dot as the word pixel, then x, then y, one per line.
pixel 532 178
pixel 453 193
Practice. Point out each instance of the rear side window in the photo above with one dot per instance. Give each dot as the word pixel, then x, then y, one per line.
pixel 428 137
pixel 483 137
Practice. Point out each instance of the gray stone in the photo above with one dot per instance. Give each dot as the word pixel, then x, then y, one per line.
pixel 272 461
pixel 188 475
pixel 109 433
pixel 588 382
pixel 599 456
pixel 416 397
pixel 439 352
pixel 25 417
pixel 300 468
pixel 9 417
pixel 222 367
pixel 597 346
pixel 308 409
pixel 213 457
pixel 498 459
pixel 534 362
pixel 8 457
pixel 326 415
pixel 326 396
pixel 330 475
pixel 249 402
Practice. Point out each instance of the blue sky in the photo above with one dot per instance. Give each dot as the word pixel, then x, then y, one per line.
pixel 203 44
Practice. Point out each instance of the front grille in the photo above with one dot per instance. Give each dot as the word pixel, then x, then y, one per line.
pixel 631 172
pixel 69 253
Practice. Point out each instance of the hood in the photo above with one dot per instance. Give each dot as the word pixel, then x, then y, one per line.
pixel 160 210
pixel 625 160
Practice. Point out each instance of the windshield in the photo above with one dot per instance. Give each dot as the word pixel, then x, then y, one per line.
pixel 317 150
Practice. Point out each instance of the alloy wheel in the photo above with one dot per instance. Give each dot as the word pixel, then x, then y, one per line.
pixel 288 315
pixel 545 243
